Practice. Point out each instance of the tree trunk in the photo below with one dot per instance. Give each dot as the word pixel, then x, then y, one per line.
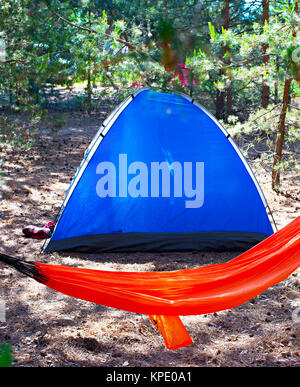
pixel 221 113
pixel 280 135
pixel 229 100
pixel 89 92
pixel 276 99
pixel 265 88
pixel 281 124
pixel 89 85
pixel 227 49
pixel 220 104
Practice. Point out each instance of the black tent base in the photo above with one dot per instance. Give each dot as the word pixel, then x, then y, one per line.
pixel 158 242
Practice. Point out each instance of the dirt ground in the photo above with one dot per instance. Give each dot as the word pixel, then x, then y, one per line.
pixel 49 329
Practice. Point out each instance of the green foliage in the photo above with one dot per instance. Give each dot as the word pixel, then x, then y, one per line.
pixel 21 129
pixel 6 357
pixel 137 40
pixel 121 45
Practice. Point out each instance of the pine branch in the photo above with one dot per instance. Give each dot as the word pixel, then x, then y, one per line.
pixel 13 61
pixel 239 64
pixel 127 44
pixel 269 111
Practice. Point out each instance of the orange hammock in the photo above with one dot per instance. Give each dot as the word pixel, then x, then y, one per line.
pixel 166 295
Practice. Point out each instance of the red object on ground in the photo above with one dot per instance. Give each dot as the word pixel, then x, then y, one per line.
pixel 172 330
pixel 50 225
pixel 202 290
pixel 39 232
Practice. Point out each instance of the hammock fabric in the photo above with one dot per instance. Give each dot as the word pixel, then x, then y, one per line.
pixel 167 295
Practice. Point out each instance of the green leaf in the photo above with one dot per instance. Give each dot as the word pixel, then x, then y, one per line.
pixel 5 355
pixel 212 30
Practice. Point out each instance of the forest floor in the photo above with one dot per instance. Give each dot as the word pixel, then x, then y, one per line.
pixel 46 328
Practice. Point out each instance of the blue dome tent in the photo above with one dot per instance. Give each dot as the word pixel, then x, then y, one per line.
pixel 161 174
